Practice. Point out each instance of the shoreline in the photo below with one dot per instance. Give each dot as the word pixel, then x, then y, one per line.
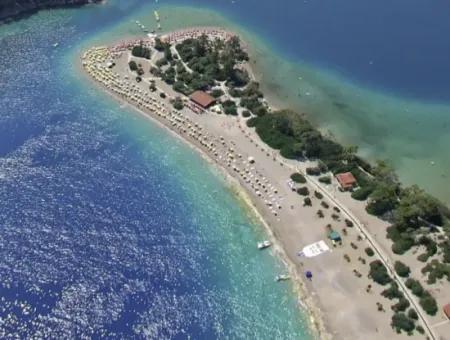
pixel 328 307
pixel 315 316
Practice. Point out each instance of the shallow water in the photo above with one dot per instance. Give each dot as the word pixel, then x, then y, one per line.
pixel 110 225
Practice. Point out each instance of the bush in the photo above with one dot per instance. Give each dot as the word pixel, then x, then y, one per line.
pixel 304 191
pixel 362 193
pixel 378 273
pixel 401 269
pixel 313 171
pixel 392 292
pixel 420 329
pixel 133 66
pixel 324 204
pixel 415 287
pixel 298 178
pixel 216 93
pixel 307 202
pixel 402 245
pixel 325 179
pixel 400 322
pixel 177 103
pixel 320 213
pixel 401 305
pixel 428 304
pixel 348 223
pixel 141 52
pixel 412 314
pixel 423 257
pixel 369 251
pixel 318 195
pixel 162 95
pixel 246 113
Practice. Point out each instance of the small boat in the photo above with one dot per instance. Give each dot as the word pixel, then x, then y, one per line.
pixel 282 277
pixel 55 44
pixel 156 15
pixel 264 244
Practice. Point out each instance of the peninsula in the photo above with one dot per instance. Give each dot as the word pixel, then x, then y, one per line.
pixel 12 9
pixel 369 257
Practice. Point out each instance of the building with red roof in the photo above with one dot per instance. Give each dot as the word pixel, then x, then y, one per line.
pixel 202 99
pixel 346 180
pixel 447 310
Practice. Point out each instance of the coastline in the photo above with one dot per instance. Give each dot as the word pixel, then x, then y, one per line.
pixel 315 318
pixel 290 228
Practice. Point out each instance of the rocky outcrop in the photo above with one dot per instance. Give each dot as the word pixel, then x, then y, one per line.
pixel 11 9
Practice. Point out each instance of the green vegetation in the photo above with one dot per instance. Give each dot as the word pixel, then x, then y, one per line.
pixel 428 304
pixel 216 93
pixel 400 322
pixel 313 171
pixel 369 251
pixel 133 66
pixel 348 223
pixel 318 194
pixel 229 107
pixel 141 51
pixel 325 179
pixel 436 270
pixel 401 269
pixel 307 202
pixel 412 314
pixel 378 273
pixel 392 292
pixel 303 191
pixel 415 287
pixel 177 103
pixel 298 178
pixel 246 114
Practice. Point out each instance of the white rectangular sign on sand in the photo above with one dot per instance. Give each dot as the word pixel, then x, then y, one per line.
pixel 314 249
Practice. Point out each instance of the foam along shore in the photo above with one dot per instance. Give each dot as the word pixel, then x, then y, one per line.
pixel 342 301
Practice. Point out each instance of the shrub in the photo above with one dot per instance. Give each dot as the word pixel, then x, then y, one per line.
pixel 428 304
pixel 400 322
pixel 378 273
pixel 246 113
pixel 362 193
pixel 162 95
pixel 320 213
pixel 402 245
pixel 141 52
pixel 325 179
pixel 216 93
pixel 401 305
pixel 303 191
pixel 298 178
pixel 412 314
pixel 415 287
pixel 420 329
pixel 307 202
pixel 318 195
pixel 401 269
pixel 177 103
pixel 324 204
pixel 133 66
pixel 392 292
pixel 348 223
pixel 423 257
pixel 313 171
pixel 369 251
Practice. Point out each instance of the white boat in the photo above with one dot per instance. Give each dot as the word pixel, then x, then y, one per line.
pixel 55 44
pixel 264 244
pixel 282 277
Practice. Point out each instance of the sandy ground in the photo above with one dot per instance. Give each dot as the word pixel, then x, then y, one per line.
pixel 336 298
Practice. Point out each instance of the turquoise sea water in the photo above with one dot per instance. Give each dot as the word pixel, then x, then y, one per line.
pixel 110 226
pixel 372 74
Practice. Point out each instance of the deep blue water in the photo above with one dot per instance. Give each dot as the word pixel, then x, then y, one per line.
pixel 109 226
pixel 399 47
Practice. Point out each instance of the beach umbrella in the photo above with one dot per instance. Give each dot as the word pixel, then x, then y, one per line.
pixel 308 274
